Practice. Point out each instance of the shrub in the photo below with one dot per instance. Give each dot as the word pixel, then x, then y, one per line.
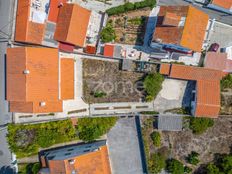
pixel 187 169
pixel 193 158
pixel 90 129
pixel 149 112
pixel 200 125
pixel 175 167
pixel 108 33
pixel 212 169
pixel 129 6
pixel 226 82
pixel 152 85
pixel 99 94
pixel 156 139
pixel 156 163
pixel 25 140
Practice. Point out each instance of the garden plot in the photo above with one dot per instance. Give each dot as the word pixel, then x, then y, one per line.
pixel 105 82
pixel 130 27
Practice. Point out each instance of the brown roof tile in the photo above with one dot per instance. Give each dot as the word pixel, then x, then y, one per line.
pixel 72 24
pixel 191 35
pixel 223 3
pixel 92 163
pixel 32 77
pixel 67 78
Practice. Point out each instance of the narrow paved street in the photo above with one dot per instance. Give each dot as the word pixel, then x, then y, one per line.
pixel 6 16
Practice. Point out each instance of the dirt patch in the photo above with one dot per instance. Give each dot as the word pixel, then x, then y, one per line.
pixel 216 140
pixel 130 27
pixel 106 76
pixel 226 102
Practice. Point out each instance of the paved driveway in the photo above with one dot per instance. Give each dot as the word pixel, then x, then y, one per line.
pixel 123 146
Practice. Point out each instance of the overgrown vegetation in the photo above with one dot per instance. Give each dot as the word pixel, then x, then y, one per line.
pixel 193 158
pixel 152 85
pixel 226 82
pixel 200 125
pixel 25 140
pixel 108 33
pixel 31 168
pixel 156 163
pixel 222 166
pixel 130 6
pixel 175 167
pixel 90 129
pixel 156 138
pixel 137 21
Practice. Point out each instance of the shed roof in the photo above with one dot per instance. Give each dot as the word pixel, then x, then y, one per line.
pixel 108 50
pixel 72 24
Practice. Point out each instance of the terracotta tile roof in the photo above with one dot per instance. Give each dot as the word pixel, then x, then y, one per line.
pixel 171 19
pixel 165 69
pixel 194 73
pixel 218 61
pixel 32 78
pixel 109 50
pixel 35 106
pixel 194 29
pixel 191 35
pixel 54 10
pixel 223 3
pixel 72 24
pixel 208 86
pixel 208 98
pixel 67 78
pixel 25 30
pixel 93 163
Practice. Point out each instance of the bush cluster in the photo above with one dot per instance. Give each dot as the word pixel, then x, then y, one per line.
pixel 175 167
pixel 222 166
pixel 90 129
pixel 25 140
pixel 226 82
pixel 130 6
pixel 193 158
pixel 108 33
pixel 152 85
pixel 156 163
pixel 156 138
pixel 200 125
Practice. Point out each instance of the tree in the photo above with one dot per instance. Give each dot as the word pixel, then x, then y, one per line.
pixel 175 167
pixel 226 164
pixel 212 169
pixel 200 125
pixel 193 158
pixel 153 84
pixel 156 163
pixel 187 169
pixel 108 33
pixel 90 129
pixel 156 139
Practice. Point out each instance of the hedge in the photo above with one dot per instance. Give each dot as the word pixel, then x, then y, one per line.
pixel 130 7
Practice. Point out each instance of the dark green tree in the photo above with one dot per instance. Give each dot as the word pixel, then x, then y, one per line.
pixel 175 167
pixel 108 33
